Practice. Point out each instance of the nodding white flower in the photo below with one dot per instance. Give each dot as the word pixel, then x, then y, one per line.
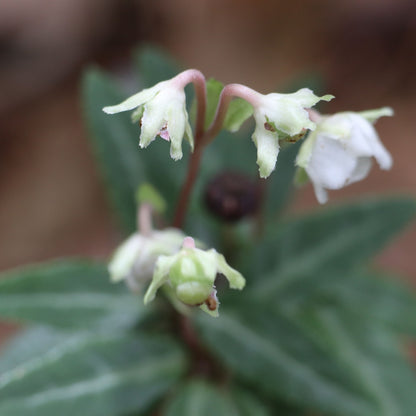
pixel 340 149
pixel 190 274
pixel 162 111
pixel 281 117
pixel 134 261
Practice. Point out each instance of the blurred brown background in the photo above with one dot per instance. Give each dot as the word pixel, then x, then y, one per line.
pixel 52 203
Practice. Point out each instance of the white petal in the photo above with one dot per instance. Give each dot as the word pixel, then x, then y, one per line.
pixel 267 143
pixel 152 122
pixel 123 259
pixel 361 170
pixel 320 193
pixel 364 141
pixel 176 120
pixel 330 164
pixel 373 115
pixel 135 100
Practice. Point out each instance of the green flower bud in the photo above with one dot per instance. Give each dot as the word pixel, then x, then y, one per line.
pixel 191 274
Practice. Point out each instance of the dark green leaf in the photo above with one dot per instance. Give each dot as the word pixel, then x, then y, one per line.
pixel 86 374
pixel 238 112
pixel 279 185
pixel 307 251
pixel 203 399
pixel 370 296
pixel 115 142
pixel 369 352
pixel 279 358
pixel 67 294
pixel 200 398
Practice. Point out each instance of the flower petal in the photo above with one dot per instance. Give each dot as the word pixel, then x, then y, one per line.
pixel 160 276
pixel 135 100
pixel 364 141
pixel 176 120
pixel 267 143
pixel 152 122
pixel 373 115
pixel 235 278
pixel 123 259
pixel 330 164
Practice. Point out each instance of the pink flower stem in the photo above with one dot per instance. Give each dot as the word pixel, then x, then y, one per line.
pixel 198 79
pixel 144 219
pixel 227 94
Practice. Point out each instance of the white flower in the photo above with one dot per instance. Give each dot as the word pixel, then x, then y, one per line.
pixel 280 116
pixel 162 111
pixel 134 261
pixel 190 274
pixel 339 151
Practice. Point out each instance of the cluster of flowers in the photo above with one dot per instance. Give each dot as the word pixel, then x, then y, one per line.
pixel 337 152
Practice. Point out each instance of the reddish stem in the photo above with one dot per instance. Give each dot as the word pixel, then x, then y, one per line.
pixel 187 187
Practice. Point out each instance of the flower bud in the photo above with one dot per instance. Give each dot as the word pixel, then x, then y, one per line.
pixel 134 261
pixel 191 274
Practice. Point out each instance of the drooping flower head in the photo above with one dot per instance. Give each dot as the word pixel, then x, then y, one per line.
pixel 279 117
pixel 191 274
pixel 340 150
pixel 162 111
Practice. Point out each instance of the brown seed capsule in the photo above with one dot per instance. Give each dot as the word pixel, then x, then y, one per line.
pixel 232 196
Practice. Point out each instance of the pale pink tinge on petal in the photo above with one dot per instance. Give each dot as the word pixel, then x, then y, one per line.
pixel 164 133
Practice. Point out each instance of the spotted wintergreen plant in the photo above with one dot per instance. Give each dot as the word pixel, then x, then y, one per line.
pixel 316 330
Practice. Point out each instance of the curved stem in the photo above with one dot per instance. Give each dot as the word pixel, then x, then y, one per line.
pixel 203 138
pixel 227 94
pixel 198 79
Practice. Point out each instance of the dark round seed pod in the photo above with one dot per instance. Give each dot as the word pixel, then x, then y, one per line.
pixel 232 196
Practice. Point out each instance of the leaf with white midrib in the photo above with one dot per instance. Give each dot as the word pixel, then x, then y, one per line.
pixel 67 294
pixel 90 373
pixel 277 370
pixel 331 241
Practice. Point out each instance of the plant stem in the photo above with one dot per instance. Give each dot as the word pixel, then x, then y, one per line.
pixel 187 187
pixel 144 219
pixel 227 94
pixel 198 80
pixel 203 138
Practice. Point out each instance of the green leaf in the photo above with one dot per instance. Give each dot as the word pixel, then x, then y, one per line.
pixel 306 252
pixel 280 359
pixel 388 301
pixel 153 65
pixel 115 142
pixel 67 294
pixel 238 112
pixel 279 185
pixel 86 373
pixel 214 89
pixel 198 397
pixel 370 352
